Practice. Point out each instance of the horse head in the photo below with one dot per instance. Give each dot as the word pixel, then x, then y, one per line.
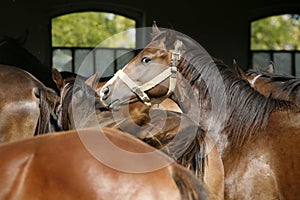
pixel 272 83
pixel 78 100
pixel 149 77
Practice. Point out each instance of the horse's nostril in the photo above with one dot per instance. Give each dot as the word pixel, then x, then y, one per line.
pixel 105 92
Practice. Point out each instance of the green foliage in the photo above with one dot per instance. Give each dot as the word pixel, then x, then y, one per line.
pixel 276 33
pixel 88 29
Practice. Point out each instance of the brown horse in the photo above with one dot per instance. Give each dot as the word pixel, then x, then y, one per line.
pixel 258 137
pixel 26 105
pixel 276 85
pixel 79 165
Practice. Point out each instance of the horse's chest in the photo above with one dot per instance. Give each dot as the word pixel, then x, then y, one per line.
pixel 252 178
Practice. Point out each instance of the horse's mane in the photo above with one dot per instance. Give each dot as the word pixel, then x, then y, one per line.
pixel 245 110
pixel 47 118
pixel 65 97
pixel 290 84
pixel 188 148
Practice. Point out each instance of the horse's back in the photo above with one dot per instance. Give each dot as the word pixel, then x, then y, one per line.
pixel 12 74
pixel 59 166
pixel 21 96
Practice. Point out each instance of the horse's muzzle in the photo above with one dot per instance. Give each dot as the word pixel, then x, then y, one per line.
pixel 99 106
pixel 104 94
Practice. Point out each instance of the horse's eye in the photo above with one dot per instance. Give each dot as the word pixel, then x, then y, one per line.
pixel 146 60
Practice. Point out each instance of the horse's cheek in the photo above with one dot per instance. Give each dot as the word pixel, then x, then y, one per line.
pixel 159 90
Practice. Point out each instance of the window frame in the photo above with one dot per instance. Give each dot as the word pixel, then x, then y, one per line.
pixel 134 14
pixel 265 12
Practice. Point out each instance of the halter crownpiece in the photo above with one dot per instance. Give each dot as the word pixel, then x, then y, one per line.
pixel 175 58
pixel 254 79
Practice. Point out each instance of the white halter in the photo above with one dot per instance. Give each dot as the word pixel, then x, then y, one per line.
pixel 254 79
pixel 169 72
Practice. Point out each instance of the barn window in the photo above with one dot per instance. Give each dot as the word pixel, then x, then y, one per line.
pixel 277 39
pixel 86 42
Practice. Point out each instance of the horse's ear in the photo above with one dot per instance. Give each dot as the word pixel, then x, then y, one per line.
pixel 155 30
pixel 57 78
pixel 238 70
pixel 234 65
pixel 271 67
pixel 92 81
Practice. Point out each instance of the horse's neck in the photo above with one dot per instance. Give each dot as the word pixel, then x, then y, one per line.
pixel 292 95
pixel 203 117
pixel 81 109
pixel 207 103
pixel 286 119
pixel 189 100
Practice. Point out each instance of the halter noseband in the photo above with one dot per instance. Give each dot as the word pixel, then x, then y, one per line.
pixel 140 91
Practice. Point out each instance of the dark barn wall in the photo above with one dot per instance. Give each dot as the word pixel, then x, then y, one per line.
pixel 222 28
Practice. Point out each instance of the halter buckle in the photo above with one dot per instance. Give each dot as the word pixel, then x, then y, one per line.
pixel 144 97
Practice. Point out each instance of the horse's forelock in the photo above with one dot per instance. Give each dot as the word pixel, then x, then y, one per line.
pixel 168 37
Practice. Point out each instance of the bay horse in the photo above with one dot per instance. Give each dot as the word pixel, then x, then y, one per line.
pixel 275 85
pixel 258 137
pixel 60 166
pixel 26 105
